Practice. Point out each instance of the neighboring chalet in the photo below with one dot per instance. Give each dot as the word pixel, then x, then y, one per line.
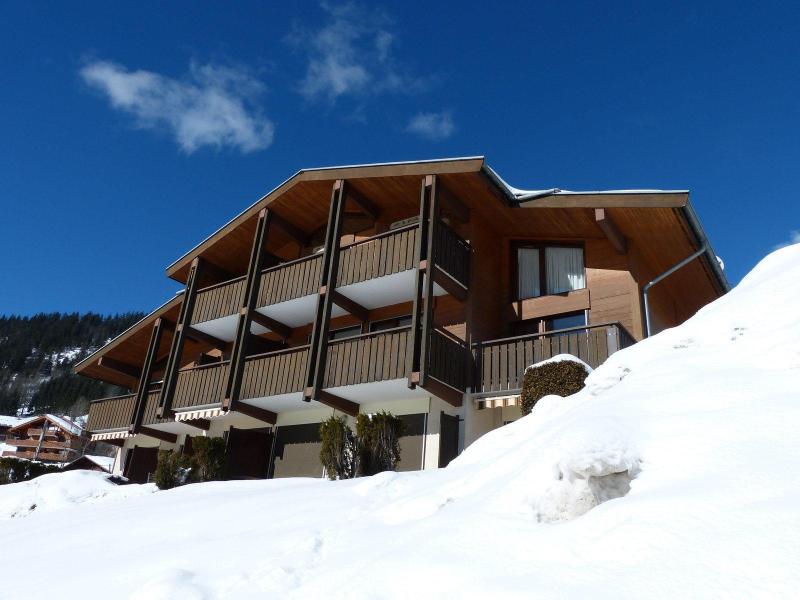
pixel 421 288
pixel 46 438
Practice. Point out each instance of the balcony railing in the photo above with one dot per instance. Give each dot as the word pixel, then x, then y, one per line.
pixel 452 253
pixel 110 413
pixel 448 360
pixel 150 416
pixel 200 386
pixel 376 356
pixel 274 373
pixel 290 280
pixel 380 255
pixel 500 364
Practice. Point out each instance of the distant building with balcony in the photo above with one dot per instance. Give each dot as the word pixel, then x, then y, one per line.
pixel 46 438
pixel 422 288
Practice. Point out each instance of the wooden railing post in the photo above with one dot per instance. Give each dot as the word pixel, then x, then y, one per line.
pixel 143 389
pixel 233 385
pixel 422 311
pixel 179 337
pixel 330 267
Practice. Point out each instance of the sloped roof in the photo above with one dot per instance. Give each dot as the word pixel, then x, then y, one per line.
pixel 63 423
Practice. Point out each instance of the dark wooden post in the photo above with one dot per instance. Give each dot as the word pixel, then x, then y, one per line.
pixel 143 389
pixel 233 385
pixel 318 348
pixel 422 312
pixel 179 338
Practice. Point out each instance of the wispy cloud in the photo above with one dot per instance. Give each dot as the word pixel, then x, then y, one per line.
pixel 212 105
pixel 794 238
pixel 432 125
pixel 351 54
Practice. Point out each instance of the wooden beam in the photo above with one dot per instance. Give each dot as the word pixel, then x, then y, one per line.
pixel 337 403
pixel 609 227
pixel 203 424
pixel 119 366
pixel 318 348
pixel 143 389
pixel 281 329
pixel 449 285
pixel 351 306
pixel 179 338
pixel 262 414
pixel 443 391
pixel 453 206
pixel 366 205
pixel 202 336
pixel 159 435
pixel 300 236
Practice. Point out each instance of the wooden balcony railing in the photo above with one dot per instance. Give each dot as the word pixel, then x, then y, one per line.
pixel 275 373
pixel 63 456
pixel 290 280
pixel 452 253
pixel 383 254
pixel 200 386
pixel 45 443
pixel 150 416
pixel 448 360
pixel 500 364
pixel 218 300
pixel 110 413
pixel 377 356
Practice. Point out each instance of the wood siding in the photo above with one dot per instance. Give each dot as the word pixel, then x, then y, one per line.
pixel 274 373
pixel 200 386
pixel 111 413
pixel 384 254
pixel 378 356
pixel 500 364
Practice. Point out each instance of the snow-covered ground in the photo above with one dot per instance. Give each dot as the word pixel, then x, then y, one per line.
pixel 700 422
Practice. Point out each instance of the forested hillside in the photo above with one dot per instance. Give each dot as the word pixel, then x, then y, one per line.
pixel 36 358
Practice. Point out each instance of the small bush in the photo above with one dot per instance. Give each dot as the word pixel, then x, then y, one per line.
pixel 338 448
pixel 15 470
pixel 562 378
pixel 378 443
pixel 209 456
pixel 173 469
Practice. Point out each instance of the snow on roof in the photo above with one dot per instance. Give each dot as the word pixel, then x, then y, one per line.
pixel 65 423
pixel 9 421
pixel 104 462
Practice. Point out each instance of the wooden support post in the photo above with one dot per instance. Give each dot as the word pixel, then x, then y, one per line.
pixel 143 389
pixel 179 338
pixel 609 227
pixel 318 348
pixel 247 307
pixel 422 312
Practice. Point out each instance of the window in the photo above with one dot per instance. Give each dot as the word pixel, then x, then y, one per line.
pixel 344 332
pixel 577 319
pixel 392 323
pixel 543 269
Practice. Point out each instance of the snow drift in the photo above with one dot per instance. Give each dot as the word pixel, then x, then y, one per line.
pixel 674 473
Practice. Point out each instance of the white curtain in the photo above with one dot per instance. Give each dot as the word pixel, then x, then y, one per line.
pixel 528 276
pixel 564 269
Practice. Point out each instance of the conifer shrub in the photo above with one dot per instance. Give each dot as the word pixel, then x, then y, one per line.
pixel 338 451
pixel 173 469
pixel 209 457
pixel 378 443
pixel 15 470
pixel 562 378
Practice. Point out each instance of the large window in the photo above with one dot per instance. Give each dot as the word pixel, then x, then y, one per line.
pixel 548 269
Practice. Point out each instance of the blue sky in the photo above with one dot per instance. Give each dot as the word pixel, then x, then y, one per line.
pixel 130 132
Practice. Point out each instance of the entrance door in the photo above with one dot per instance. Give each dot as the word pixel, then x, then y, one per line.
pixel 249 453
pixel 448 439
pixel 140 463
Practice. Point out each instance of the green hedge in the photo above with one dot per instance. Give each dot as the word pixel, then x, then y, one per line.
pixel 15 470
pixel 205 462
pixel 562 378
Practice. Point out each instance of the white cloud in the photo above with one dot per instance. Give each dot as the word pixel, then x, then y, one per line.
pixel 794 238
pixel 349 55
pixel 211 106
pixel 432 125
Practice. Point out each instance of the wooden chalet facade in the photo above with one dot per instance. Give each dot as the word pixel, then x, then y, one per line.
pixel 422 288
pixel 46 438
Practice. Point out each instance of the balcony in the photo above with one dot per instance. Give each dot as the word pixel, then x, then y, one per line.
pixel 500 364
pixel 373 272
pixel 111 414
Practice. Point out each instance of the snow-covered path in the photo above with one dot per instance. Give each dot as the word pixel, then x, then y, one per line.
pixel 704 417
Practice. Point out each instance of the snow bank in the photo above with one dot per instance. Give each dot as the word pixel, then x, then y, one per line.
pixel 673 474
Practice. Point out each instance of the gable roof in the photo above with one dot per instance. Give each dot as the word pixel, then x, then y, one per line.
pixel 63 423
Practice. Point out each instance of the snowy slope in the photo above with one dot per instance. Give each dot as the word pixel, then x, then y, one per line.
pixel 704 417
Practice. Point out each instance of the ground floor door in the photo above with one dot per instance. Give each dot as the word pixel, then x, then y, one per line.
pixel 448 439
pixel 140 464
pixel 249 452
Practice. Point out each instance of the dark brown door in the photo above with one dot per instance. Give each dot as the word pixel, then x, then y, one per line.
pixel 140 463
pixel 249 453
pixel 448 439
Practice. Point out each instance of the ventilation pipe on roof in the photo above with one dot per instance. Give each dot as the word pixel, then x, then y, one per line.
pixel 664 275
